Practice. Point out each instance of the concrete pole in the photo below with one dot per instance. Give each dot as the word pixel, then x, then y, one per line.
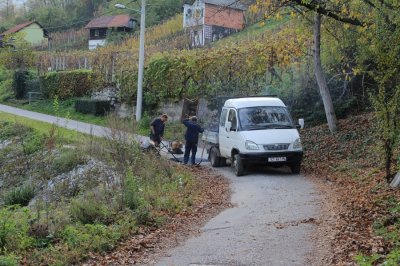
pixel 139 99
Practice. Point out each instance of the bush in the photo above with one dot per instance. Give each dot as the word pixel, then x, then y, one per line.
pixel 90 210
pixel 9 260
pixel 67 161
pixel 67 84
pixel 32 82
pixel 6 85
pixel 33 143
pixel 92 106
pixel 134 200
pixel 20 196
pixel 90 237
pixel 20 83
pixel 14 226
pixel 6 91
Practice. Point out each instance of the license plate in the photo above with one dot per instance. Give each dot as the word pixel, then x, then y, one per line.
pixel 277 159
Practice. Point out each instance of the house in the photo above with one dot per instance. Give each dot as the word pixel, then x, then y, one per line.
pixel 32 31
pixel 101 26
pixel 211 20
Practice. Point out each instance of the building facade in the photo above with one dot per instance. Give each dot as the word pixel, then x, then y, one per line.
pixel 100 27
pixel 211 20
pixel 32 32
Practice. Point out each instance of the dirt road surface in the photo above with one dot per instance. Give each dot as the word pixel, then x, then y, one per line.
pixel 271 223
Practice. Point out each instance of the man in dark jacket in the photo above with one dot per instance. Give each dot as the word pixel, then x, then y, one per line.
pixel 157 127
pixel 191 137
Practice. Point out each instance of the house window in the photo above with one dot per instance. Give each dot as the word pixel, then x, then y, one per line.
pixel 96 33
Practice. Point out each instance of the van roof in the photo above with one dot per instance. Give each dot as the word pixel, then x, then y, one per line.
pixel 253 101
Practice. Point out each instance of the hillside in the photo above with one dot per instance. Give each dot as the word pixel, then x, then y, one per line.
pixel 364 213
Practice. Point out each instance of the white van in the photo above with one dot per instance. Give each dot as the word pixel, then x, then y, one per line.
pixel 255 130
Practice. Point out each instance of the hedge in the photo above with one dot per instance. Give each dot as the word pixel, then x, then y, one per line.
pixel 67 84
pixel 92 106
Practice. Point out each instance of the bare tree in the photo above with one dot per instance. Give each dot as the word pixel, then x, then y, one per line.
pixel 320 76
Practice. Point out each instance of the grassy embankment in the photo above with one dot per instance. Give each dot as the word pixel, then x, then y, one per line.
pixel 367 224
pixel 64 196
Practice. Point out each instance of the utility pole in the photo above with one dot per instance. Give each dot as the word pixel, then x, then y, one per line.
pixel 139 97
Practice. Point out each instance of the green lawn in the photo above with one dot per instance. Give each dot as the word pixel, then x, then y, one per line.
pixel 44 128
pixel 62 109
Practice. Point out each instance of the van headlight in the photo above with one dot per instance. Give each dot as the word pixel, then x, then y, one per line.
pixel 251 145
pixel 297 144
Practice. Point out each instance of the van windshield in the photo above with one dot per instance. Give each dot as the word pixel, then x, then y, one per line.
pixel 264 117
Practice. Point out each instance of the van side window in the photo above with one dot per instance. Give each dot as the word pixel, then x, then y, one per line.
pixel 223 117
pixel 232 119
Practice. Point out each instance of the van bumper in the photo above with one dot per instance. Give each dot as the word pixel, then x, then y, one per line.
pixel 273 158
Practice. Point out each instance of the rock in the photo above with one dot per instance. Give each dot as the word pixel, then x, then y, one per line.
pixel 396 181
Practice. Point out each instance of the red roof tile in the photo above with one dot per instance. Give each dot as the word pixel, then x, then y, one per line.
pixel 18 27
pixel 109 22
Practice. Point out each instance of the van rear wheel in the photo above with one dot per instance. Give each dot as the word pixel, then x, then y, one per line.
pixel 238 165
pixel 215 160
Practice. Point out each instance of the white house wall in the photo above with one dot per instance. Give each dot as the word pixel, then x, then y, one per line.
pixel 93 44
pixel 193 15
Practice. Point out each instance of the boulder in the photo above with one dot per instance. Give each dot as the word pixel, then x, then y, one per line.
pixel 396 181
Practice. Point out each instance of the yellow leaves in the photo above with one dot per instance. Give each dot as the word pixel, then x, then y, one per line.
pixel 356 71
pixel 254 9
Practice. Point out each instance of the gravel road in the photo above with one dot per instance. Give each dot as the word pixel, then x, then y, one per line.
pixel 271 223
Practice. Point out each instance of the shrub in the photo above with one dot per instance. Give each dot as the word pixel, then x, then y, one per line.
pixel 20 83
pixel 8 260
pixel 90 210
pixel 20 196
pixel 90 237
pixel 135 201
pixel 9 130
pixel 67 161
pixel 92 106
pixel 6 91
pixel 67 84
pixel 33 143
pixel 14 226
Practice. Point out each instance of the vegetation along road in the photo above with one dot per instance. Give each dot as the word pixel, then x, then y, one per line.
pixel 272 212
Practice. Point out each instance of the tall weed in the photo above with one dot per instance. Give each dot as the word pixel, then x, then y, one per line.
pixel 20 196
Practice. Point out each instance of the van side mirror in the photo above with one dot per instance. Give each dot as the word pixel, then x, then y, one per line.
pixel 228 126
pixel 301 123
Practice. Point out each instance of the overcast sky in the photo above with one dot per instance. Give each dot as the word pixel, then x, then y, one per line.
pixel 19 2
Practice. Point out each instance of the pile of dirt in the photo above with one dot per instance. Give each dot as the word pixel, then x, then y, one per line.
pixel 150 243
pixel 347 168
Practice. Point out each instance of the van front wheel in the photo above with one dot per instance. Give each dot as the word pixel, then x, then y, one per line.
pixel 295 167
pixel 238 165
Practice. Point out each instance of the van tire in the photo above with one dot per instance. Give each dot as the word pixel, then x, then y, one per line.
pixel 295 167
pixel 237 164
pixel 215 160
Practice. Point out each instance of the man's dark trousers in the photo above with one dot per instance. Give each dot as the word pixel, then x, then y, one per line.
pixel 190 147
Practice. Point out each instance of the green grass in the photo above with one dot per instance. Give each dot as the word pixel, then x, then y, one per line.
pixel 63 109
pixel 42 127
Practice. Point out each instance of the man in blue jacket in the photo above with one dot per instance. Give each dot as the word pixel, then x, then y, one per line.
pixel 191 137
pixel 157 129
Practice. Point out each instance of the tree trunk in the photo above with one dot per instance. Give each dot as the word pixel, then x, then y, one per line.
pixel 319 74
